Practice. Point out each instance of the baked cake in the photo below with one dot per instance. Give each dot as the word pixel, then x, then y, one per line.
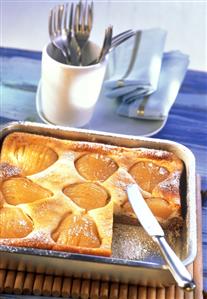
pixel 64 195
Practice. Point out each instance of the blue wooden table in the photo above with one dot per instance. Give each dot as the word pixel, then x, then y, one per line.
pixel 187 122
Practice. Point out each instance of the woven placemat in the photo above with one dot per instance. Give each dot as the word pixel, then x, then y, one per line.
pixel 12 282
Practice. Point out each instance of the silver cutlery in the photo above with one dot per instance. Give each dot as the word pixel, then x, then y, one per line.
pixel 57 34
pixel 153 228
pixel 83 23
pixel 61 32
pixel 106 43
pixel 115 41
pixel 69 32
pixel 121 37
pixel 68 23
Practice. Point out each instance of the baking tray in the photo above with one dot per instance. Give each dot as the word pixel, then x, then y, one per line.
pixel 148 269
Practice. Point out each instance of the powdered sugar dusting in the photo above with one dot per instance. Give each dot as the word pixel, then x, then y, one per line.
pixel 171 183
pixel 160 154
pixel 133 243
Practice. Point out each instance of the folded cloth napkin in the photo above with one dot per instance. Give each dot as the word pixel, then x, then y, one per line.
pixel 135 64
pixel 157 105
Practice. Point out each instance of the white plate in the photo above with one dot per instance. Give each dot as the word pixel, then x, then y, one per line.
pixel 106 119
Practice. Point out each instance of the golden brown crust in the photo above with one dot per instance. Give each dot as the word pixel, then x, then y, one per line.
pixel 50 163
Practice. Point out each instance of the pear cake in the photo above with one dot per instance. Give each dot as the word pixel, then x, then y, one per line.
pixel 65 194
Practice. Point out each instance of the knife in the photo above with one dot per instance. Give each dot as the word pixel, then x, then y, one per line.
pixel 153 228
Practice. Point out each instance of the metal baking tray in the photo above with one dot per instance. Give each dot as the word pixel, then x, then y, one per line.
pixel 148 268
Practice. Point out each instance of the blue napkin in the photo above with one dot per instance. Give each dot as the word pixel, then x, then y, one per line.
pixel 157 105
pixel 134 66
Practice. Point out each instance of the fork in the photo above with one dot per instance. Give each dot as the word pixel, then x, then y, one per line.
pixel 115 41
pixel 61 33
pixel 106 43
pixel 57 35
pixel 73 47
pixel 121 37
pixel 83 23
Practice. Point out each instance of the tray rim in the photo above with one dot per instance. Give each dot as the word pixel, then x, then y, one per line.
pixel 10 127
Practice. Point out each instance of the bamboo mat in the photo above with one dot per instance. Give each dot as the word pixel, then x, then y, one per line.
pixel 12 282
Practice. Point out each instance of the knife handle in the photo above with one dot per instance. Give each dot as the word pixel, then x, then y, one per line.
pixel 176 267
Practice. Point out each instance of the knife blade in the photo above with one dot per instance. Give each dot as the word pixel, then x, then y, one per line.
pixel 143 213
pixel 153 228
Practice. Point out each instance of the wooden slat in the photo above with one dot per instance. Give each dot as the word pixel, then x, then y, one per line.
pixel 161 293
pixel 198 263
pixel 9 282
pixel 189 295
pixel 2 279
pixel 38 284
pixel 47 285
pixel 28 283
pixel 95 286
pixel 85 289
pixel 179 294
pixel 123 291
pixel 19 283
pixel 170 292
pixel 56 287
pixel 142 293
pixel 151 293
pixel 76 287
pixel 104 290
pixel 114 291
pixel 66 288
pixel 133 292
